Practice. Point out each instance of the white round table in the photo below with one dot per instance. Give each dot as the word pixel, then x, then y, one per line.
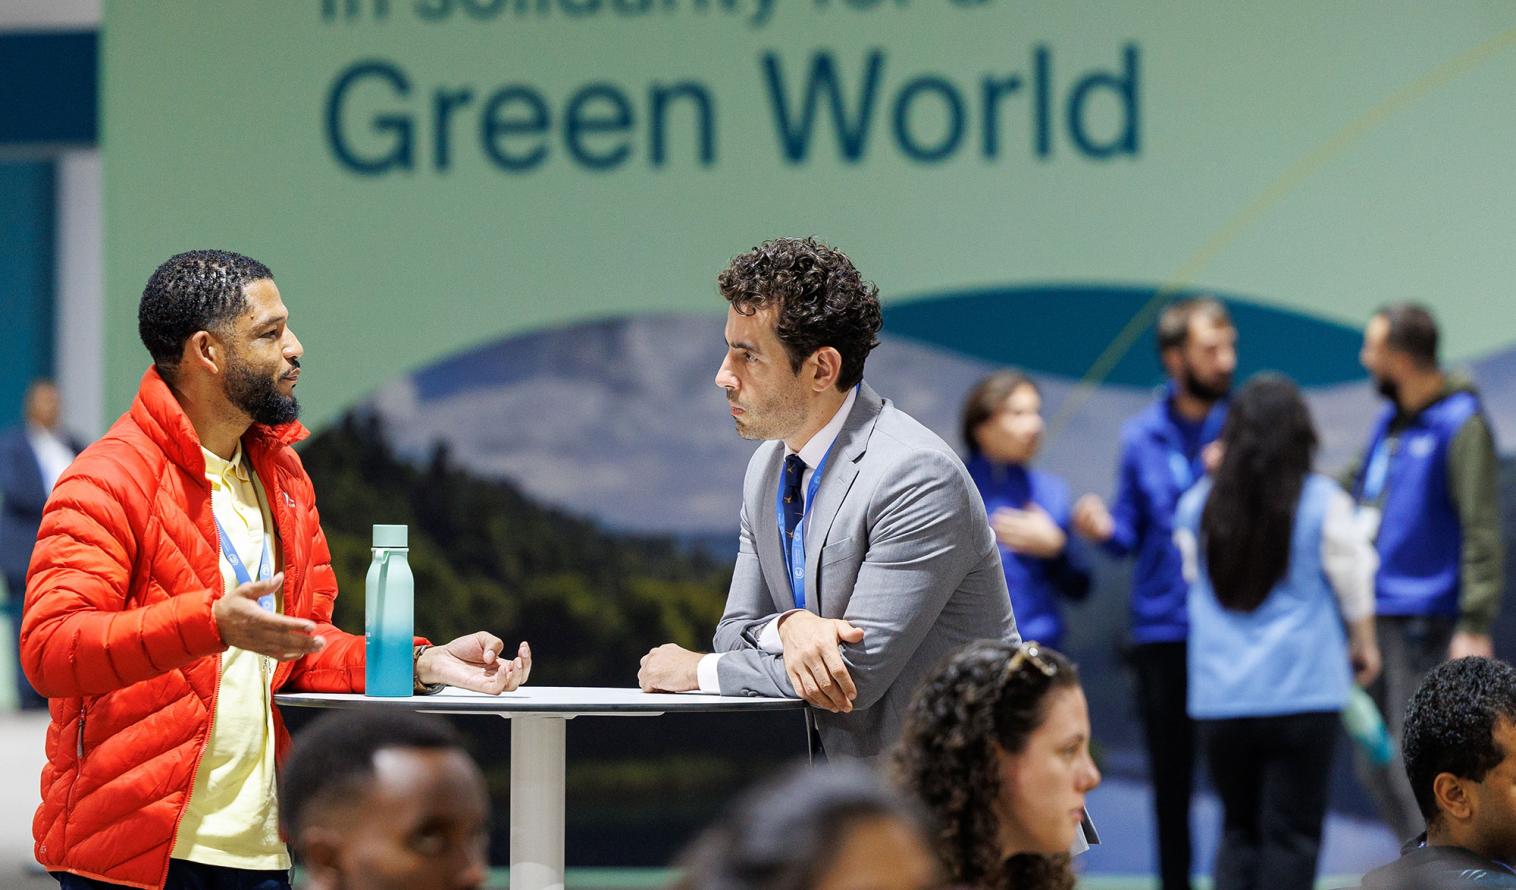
pixel 539 717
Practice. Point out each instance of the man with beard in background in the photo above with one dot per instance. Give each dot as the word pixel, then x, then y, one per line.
pixel 1427 486
pixel 1163 453
pixel 180 580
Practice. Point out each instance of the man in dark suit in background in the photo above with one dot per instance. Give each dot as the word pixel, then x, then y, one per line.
pixel 32 456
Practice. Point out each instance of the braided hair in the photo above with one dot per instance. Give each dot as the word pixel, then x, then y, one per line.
pixel 972 703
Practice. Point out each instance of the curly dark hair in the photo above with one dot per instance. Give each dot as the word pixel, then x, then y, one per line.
pixel 1450 725
pixel 821 298
pixel 946 757
pixel 199 290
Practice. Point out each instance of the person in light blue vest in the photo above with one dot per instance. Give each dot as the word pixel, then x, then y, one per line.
pixel 1428 482
pixel 1277 565
pixel 1030 510
pixel 1163 453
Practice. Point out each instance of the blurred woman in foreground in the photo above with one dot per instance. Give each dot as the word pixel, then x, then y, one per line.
pixel 828 827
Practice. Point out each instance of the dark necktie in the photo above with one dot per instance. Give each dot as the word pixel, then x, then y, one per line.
pixel 794 497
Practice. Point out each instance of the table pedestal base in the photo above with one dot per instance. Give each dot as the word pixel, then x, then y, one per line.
pixel 537 805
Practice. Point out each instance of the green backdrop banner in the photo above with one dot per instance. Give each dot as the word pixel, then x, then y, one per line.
pixel 427 175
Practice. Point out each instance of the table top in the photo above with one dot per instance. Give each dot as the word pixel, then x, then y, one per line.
pixel 562 701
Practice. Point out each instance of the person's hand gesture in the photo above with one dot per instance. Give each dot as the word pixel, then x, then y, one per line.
pixel 1029 532
pixel 1092 520
pixel 474 662
pixel 245 624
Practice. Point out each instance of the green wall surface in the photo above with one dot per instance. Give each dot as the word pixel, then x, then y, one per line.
pixel 427 176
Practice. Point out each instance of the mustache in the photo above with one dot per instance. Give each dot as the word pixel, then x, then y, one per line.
pixel 294 366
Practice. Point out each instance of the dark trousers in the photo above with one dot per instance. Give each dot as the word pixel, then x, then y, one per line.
pixel 26 697
pixel 1271 774
pixel 1410 646
pixel 184 875
pixel 1162 685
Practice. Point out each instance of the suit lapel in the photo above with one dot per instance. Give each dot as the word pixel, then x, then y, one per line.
pixel 841 470
pixel 766 533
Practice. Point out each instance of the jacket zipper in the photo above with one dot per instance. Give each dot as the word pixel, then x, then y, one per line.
pixel 73 788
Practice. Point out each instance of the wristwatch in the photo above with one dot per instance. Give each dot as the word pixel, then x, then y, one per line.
pixel 418 687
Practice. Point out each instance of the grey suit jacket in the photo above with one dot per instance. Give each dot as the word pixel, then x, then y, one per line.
pixel 897 544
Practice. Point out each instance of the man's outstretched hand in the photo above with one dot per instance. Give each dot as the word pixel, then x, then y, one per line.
pixel 245 624
pixel 475 662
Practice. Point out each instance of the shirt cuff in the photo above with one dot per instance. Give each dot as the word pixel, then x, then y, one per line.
pixel 768 638
pixel 707 673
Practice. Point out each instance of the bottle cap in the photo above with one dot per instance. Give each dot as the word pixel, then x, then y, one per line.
pixel 391 536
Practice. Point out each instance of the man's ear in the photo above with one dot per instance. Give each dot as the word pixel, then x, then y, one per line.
pixel 828 368
pixel 1453 797
pixel 202 350
pixel 320 857
pixel 1172 360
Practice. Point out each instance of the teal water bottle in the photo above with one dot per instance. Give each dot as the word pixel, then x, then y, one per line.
pixel 389 616
pixel 1366 727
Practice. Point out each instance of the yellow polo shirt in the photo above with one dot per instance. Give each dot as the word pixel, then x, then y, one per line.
pixel 233 815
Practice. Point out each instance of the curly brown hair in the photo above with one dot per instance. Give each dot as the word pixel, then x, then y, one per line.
pixel 821 300
pixel 971 703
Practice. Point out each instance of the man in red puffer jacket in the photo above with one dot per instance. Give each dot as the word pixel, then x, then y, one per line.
pixel 180 580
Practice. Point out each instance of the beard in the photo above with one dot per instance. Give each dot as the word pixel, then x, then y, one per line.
pixel 1387 388
pixel 1206 391
pixel 776 417
pixel 258 394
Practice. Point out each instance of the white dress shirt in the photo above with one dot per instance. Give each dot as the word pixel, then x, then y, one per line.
pixel 811 454
pixel 53 454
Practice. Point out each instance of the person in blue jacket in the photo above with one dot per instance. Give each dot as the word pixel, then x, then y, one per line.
pixel 1163 453
pixel 1281 608
pixel 1030 510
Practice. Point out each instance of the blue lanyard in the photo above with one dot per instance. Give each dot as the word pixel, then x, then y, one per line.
pixel 265 571
pixel 794 552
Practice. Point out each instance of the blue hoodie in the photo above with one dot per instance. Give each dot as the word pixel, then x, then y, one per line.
pixel 1160 460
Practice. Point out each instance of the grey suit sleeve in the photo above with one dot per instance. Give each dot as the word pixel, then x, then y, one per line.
pixel 924 542
pixel 744 669
pixel 748 603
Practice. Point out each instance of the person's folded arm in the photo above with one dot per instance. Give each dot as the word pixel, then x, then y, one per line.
pixel 922 544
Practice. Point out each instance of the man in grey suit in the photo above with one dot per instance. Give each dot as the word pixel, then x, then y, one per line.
pixel 865 554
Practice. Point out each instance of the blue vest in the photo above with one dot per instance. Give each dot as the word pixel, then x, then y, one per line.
pixel 1420 539
pixel 1288 656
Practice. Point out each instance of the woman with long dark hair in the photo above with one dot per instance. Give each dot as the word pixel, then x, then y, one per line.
pixel 1281 606
pixel 996 748
pixel 1029 510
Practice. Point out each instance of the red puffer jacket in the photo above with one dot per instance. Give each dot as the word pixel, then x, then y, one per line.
pixel 118 632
